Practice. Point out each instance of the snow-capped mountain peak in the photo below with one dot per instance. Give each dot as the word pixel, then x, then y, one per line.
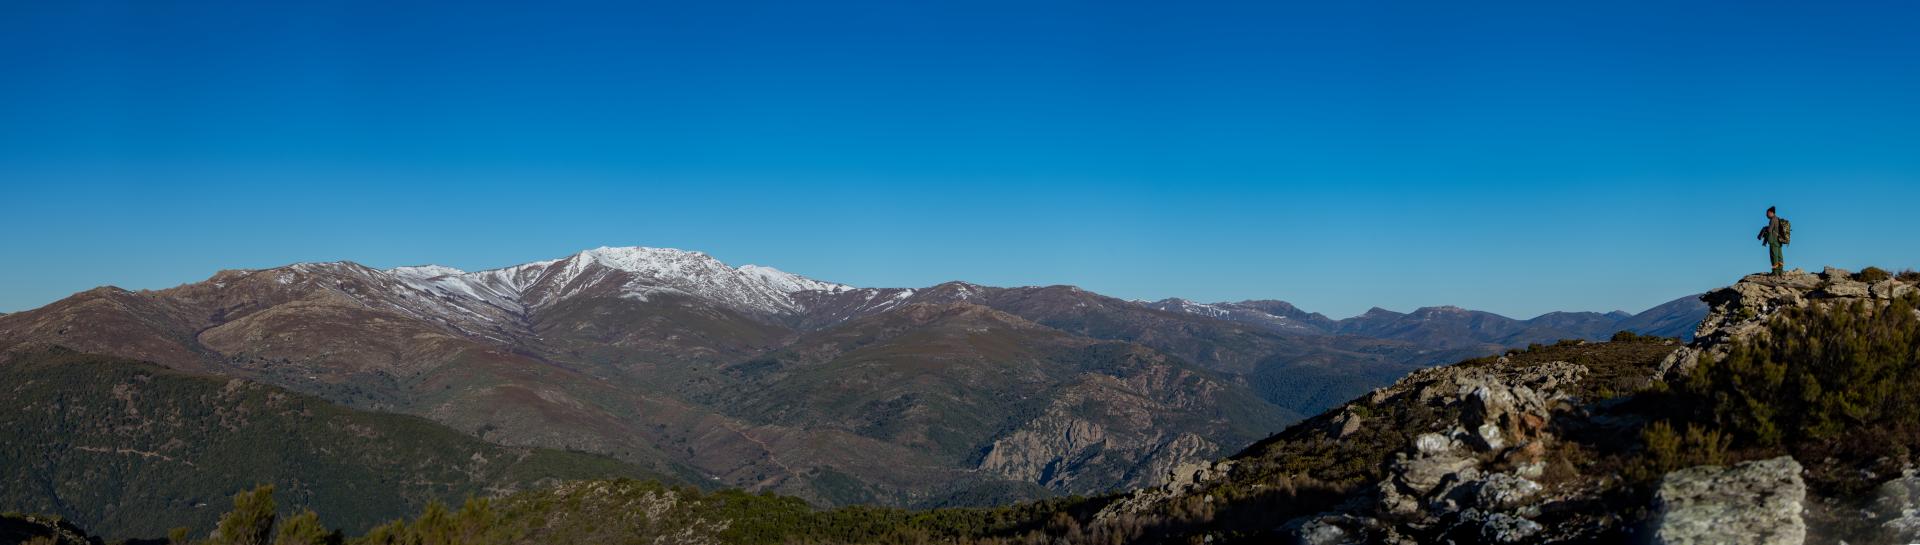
pixel 633 272
pixel 493 298
pixel 789 282
pixel 422 272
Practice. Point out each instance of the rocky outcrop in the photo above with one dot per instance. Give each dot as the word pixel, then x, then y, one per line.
pixel 1475 477
pixel 1550 445
pixel 1754 503
pixel 1743 309
pixel 1061 451
pixel 1183 479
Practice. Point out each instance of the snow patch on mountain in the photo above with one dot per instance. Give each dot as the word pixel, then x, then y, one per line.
pixel 422 272
pixel 466 299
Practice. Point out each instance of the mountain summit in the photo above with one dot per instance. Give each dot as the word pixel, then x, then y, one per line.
pixel 634 272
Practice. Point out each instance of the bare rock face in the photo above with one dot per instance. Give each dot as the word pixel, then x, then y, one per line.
pixel 1035 454
pixel 1754 503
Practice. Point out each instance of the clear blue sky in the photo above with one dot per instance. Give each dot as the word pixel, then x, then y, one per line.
pixel 1518 157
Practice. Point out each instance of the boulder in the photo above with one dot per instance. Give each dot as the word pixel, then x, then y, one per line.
pixel 1753 503
pixel 1897 508
pixel 1845 288
pixel 1323 531
pixel 1890 289
pixel 1423 475
pixel 1505 528
pixel 1348 423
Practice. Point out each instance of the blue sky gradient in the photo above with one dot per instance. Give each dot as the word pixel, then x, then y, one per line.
pixel 1518 157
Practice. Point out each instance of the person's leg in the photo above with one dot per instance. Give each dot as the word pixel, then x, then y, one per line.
pixel 1779 264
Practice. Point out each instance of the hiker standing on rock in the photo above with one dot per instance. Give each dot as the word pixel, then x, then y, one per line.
pixel 1777 233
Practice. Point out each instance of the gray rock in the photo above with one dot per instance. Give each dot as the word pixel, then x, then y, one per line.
pixel 1891 289
pixel 1795 278
pixel 1322 531
pixel 1395 502
pixel 1679 363
pixel 1348 423
pixel 1836 273
pixel 1897 508
pixel 1756 503
pixel 1504 491
pixel 1435 444
pixel 1424 474
pixel 1487 437
pixel 1845 288
pixel 1531 470
pixel 1454 492
pixel 1505 528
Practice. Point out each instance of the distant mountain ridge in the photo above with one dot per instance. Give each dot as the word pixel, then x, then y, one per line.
pixel 1454 326
pixel 679 363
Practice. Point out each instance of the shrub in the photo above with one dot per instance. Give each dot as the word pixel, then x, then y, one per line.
pixel 304 529
pixel 1667 450
pixel 251 520
pixel 1909 275
pixel 1817 372
pixel 1625 336
pixel 1872 274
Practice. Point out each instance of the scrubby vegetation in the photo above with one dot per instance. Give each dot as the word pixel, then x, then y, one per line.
pixel 626 511
pixel 1824 383
pixel 1872 274
pixel 134 449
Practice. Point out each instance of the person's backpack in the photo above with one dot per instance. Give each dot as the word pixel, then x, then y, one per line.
pixel 1786 232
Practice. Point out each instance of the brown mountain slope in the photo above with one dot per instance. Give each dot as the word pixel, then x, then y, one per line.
pixel 656 367
pixel 131 449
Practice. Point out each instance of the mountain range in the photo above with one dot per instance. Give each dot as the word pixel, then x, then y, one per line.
pixel 1635 439
pixel 678 364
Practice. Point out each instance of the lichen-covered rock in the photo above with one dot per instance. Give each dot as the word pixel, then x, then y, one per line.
pixel 1505 528
pixel 1504 491
pixel 1323 531
pixel 1889 289
pixel 1753 503
pixel 1897 508
pixel 1845 288
pixel 1182 479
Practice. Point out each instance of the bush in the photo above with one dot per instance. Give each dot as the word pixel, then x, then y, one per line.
pixel 1872 274
pixel 304 529
pixel 1624 336
pixel 251 520
pixel 1668 450
pixel 1909 275
pixel 1816 373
